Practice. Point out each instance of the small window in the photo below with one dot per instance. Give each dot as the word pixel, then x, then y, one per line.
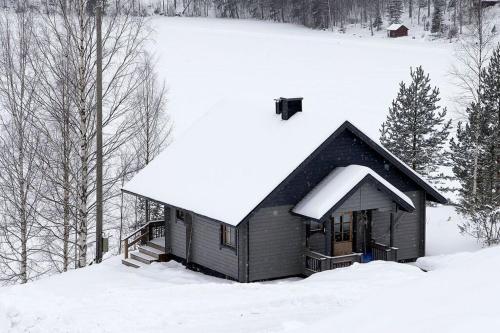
pixel 180 215
pixel 228 236
pixel 317 227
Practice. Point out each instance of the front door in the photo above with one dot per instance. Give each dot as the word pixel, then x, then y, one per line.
pixel 342 233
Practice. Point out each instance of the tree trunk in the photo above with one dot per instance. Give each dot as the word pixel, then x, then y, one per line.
pixel 82 204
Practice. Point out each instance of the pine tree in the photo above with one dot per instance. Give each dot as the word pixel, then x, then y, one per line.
pixel 416 128
pixel 437 17
pixel 394 11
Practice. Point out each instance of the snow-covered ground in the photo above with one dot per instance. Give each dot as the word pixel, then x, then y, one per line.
pixel 442 233
pixel 453 296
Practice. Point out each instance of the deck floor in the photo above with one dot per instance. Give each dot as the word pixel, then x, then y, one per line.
pixel 158 241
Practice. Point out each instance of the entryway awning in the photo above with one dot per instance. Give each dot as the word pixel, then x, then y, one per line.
pixel 340 184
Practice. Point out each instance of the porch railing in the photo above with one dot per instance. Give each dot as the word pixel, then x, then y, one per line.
pixel 147 232
pixel 317 262
pixel 384 252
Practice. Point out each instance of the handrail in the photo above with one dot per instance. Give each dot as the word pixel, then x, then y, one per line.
pixel 318 262
pixel 144 226
pixel 384 252
pixel 145 233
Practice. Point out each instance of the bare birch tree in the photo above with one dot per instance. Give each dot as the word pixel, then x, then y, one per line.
pixel 20 172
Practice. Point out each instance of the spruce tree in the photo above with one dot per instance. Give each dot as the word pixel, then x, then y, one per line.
pixel 491 104
pixel 437 17
pixel 394 11
pixel 416 128
pixel 479 136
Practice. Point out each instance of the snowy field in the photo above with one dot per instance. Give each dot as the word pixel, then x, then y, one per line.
pixel 207 62
pixel 165 297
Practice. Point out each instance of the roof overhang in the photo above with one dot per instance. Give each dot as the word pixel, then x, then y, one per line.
pixel 340 185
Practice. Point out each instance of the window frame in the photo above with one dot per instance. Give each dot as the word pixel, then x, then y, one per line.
pixel 180 215
pixel 228 233
pixel 338 220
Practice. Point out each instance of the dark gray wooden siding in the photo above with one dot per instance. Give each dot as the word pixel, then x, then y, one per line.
pixel 342 150
pixel 408 237
pixel 381 225
pixel 243 251
pixel 407 229
pixel 276 243
pixel 178 238
pixel 366 197
pixel 168 217
pixel 207 250
pixel 317 242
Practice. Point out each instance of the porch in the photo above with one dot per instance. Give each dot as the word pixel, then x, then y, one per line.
pixel 316 262
pixel 343 238
pixel 351 216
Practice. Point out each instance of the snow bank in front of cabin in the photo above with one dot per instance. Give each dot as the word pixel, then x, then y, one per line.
pixel 456 295
pixel 459 295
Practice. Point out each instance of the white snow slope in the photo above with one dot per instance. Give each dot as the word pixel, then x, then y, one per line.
pixel 458 294
pixel 207 62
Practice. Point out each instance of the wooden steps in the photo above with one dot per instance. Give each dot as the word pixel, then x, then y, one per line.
pixel 152 251
pixel 132 263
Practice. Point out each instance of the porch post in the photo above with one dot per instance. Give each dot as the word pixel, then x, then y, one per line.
pixel 166 221
pixel 328 238
pixel 308 233
pixel 391 229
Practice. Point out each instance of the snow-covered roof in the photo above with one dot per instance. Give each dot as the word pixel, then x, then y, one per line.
pixel 235 156
pixel 394 27
pixel 334 189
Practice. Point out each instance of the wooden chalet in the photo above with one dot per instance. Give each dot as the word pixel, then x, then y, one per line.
pixel 258 194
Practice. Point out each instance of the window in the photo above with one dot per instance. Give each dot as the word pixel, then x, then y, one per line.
pixel 180 215
pixel 228 236
pixel 316 227
pixel 342 227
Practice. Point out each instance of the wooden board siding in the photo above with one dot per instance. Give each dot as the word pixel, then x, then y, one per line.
pixel 207 250
pixel 317 243
pixel 381 225
pixel 342 150
pixel 408 229
pixel 277 244
pixel 366 197
pixel 178 238
pixel 243 251
pixel 168 217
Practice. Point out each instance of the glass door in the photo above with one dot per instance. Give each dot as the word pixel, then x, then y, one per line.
pixel 342 234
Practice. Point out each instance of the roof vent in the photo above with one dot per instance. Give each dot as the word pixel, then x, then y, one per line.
pixel 287 107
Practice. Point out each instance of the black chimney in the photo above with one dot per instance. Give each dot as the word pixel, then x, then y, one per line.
pixel 287 107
